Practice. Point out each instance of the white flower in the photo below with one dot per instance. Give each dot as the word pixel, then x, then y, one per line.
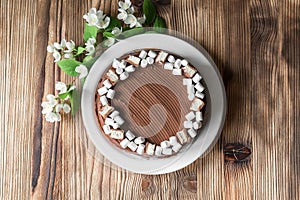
pixel 82 70
pixel 56 56
pixel 125 5
pixel 130 10
pixel 50 48
pixel 61 86
pixel 53 117
pixel 140 21
pixel 68 56
pixel 116 31
pixel 97 18
pixel 47 108
pixel 90 41
pixel 102 24
pixel 66 108
pixel 90 49
pixel 51 100
pixel 70 46
pixel 109 42
pixel 58 107
pixel 122 15
pixel 131 20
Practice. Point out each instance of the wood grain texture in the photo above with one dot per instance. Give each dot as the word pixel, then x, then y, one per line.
pixel 254 43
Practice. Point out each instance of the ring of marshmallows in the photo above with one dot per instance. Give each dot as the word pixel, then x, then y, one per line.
pixel 120 71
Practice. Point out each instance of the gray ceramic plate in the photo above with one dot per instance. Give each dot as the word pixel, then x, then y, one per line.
pixel 214 115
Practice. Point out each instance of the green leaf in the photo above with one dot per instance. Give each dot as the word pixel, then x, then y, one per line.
pixel 68 66
pixel 89 31
pixel 108 34
pixel 80 50
pixel 63 96
pixel 114 22
pixel 75 101
pixel 132 32
pixel 149 11
pixel 159 22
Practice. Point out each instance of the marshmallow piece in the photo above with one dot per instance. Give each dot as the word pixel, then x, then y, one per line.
pixel 168 66
pixel 103 100
pixel 124 143
pixel 119 70
pixel 115 63
pixel 199 116
pixel 165 144
pixel 101 91
pixel 199 87
pixel 130 68
pixel 173 140
pixel 192 132
pixel 139 140
pixel 107 84
pixel 132 146
pixel 187 81
pixel 114 114
pixel 124 76
pixel 197 125
pixel 167 151
pixel 106 129
pixel 188 124
pixel 197 104
pixel 140 149
pixel 144 63
pixel 189 71
pixel 109 121
pixel 176 147
pixel 177 72
pixel 130 136
pixel 134 60
pixel 106 110
pixel 190 116
pixel 150 60
pixel 184 62
pixel 119 120
pixel 110 94
pixel 199 95
pixel 191 96
pixel 112 76
pixel 182 136
pixel 161 57
pixel 177 63
pixel 152 54
pixel 197 78
pixel 190 89
pixel 117 134
pixel 115 126
pixel 158 151
pixel 150 149
pixel 122 64
pixel 171 59
pixel 143 54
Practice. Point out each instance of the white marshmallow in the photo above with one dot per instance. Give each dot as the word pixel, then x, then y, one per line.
pixel 124 143
pixel 130 68
pixel 122 64
pixel 158 151
pixel 197 104
pixel 115 126
pixel 199 87
pixel 144 63
pixel 150 60
pixel 197 125
pixel 171 59
pixel 106 110
pixel 189 71
pixel 177 72
pixel 139 140
pixel 113 77
pixel 109 121
pixel 182 136
pixel 143 54
pixel 173 140
pixel 110 94
pixel 176 147
pixel 190 116
pixel 117 134
pixel 114 114
pixel 115 63
pixel 191 96
pixel 177 63
pixel 165 144
pixel 107 84
pixel 103 100
pixel 197 78
pixel 199 94
pixel 134 60
pixel 106 129
pixel 187 81
pixel 132 146
pixel 130 136
pixel 119 120
pixel 152 54
pixel 119 70
pixel 184 62
pixel 161 57
pixel 190 89
pixel 192 132
pixel 101 91
pixel 168 66
pixel 199 116
pixel 188 124
pixel 124 76
pixel 150 149
pixel 141 148
pixel 167 151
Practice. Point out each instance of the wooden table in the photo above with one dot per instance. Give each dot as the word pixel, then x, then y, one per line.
pixel 254 43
